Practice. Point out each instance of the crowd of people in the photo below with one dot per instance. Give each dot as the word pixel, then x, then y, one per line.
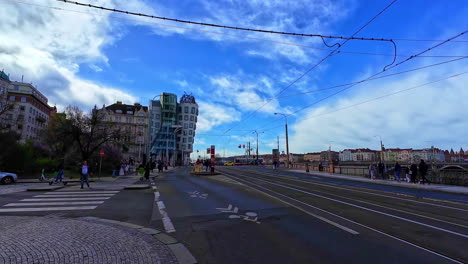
pixel 414 173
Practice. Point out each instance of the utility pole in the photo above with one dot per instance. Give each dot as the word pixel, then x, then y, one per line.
pixel 287 140
pixel 277 142
pixel 256 132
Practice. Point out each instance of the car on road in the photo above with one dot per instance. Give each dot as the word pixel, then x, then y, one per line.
pixel 7 177
pixel 229 164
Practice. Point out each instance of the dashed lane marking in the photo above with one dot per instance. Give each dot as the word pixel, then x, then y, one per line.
pixel 41 209
pixel 54 203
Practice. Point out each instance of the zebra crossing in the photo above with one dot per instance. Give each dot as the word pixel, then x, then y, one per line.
pixel 60 201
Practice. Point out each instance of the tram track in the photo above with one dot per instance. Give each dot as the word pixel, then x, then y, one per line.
pixel 440 231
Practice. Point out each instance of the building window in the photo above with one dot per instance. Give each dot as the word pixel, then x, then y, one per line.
pixel 186 117
pixel 193 110
pixel 12 98
pixel 23 99
pixel 184 133
pixel 195 119
pixel 129 112
pixel 180 117
pixel 190 132
pixel 118 111
pixel 16 87
pixel 189 146
pixel 183 140
pixel 191 118
pixel 185 109
pixel 22 108
pixel 158 116
pixel 191 125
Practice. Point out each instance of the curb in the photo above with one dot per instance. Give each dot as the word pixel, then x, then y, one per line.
pixel 44 189
pixel 182 254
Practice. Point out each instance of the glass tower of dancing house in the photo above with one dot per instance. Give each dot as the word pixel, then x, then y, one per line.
pixel 172 128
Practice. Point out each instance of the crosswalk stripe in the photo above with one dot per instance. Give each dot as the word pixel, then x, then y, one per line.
pixel 36 209
pixel 72 195
pixel 65 199
pixel 53 203
pixel 96 192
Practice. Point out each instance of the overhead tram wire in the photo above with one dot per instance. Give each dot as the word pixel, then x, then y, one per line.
pixel 240 36
pixel 364 80
pixel 387 95
pixel 393 66
pixel 322 60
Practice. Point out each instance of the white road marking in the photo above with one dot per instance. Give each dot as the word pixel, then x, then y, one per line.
pixel 40 209
pixel 165 218
pixel 156 196
pixel 349 230
pixel 365 208
pixel 73 195
pixel 84 192
pixel 54 203
pixel 64 199
pixel 155 188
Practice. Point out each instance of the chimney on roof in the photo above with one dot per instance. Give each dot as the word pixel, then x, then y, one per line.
pixel 137 104
pixel 119 102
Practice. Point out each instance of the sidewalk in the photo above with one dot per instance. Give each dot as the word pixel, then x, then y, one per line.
pixel 52 239
pixel 428 187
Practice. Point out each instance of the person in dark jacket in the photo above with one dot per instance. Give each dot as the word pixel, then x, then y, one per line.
pixel 397 171
pixel 423 171
pixel 380 169
pixel 147 171
pixel 414 172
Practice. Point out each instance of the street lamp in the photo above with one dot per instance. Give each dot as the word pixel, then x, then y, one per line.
pixel 256 132
pixel 287 141
pixel 381 149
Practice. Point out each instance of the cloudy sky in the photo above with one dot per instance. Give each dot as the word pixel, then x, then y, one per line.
pixel 81 56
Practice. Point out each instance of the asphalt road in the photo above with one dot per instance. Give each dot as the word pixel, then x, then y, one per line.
pixel 257 215
pixel 315 222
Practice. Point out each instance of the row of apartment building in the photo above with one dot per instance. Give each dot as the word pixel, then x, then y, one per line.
pixel 164 130
pixel 389 155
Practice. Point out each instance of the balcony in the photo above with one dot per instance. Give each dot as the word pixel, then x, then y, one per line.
pixel 40 119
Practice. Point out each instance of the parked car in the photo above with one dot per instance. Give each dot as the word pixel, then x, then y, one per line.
pixel 7 178
pixel 229 164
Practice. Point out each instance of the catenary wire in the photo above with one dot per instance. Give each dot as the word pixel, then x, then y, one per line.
pixel 239 36
pixel 361 81
pixel 387 95
pixel 333 52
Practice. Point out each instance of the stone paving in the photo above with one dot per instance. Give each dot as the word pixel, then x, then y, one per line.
pixel 53 239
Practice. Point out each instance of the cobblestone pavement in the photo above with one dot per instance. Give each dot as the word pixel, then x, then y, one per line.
pixel 53 239
pixel 17 187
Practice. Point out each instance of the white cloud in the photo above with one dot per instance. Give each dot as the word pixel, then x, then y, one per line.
pixel 95 68
pixel 432 114
pixel 47 46
pixel 211 115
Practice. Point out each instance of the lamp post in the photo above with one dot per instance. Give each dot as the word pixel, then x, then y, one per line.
pixel 381 149
pixel 256 132
pixel 287 141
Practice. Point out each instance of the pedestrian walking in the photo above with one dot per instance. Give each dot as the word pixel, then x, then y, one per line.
pixel 58 177
pixel 84 174
pixel 407 174
pixel 42 177
pixel 423 171
pixel 397 171
pixel 381 168
pixel 160 167
pixel 414 172
pixel 372 171
pixel 147 171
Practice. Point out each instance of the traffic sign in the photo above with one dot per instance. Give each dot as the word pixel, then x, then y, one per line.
pixel 101 153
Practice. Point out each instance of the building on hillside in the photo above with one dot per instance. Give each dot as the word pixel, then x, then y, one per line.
pixel 29 114
pixel 172 127
pixel 313 156
pixel 329 154
pixel 404 155
pixel 346 155
pixel 364 155
pixel 132 120
pixel 295 158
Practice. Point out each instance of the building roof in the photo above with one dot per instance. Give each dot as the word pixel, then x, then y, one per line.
pixel 4 76
pixel 124 107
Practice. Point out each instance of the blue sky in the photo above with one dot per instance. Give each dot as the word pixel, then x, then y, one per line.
pixel 84 57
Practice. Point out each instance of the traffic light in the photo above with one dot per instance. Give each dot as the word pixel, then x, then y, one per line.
pixel 240 145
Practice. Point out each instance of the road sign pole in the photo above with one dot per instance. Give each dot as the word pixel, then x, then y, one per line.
pixel 100 166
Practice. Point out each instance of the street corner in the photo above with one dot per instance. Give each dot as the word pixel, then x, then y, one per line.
pixel 54 239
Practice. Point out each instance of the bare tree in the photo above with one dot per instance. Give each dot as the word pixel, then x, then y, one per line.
pixel 5 107
pixel 89 131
